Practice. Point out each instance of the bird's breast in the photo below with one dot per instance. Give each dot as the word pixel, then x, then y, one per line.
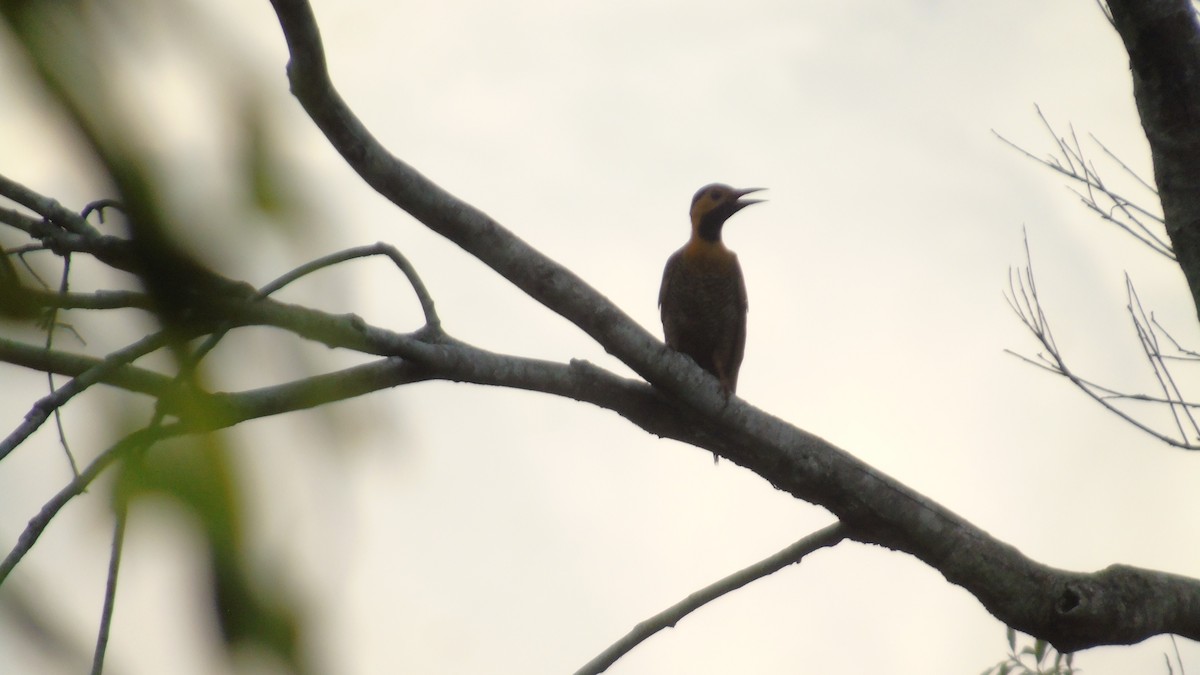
pixel 704 286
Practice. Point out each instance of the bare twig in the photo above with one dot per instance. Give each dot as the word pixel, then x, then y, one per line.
pixel 791 555
pixel 379 248
pixel 103 299
pixel 1023 298
pixel 51 323
pixel 55 399
pixel 1184 354
pixel 1178 659
pixel 423 296
pixel 47 208
pixel 98 207
pixel 1121 163
pixel 1180 411
pixel 128 377
pixel 37 524
pixel 110 589
pixel 1071 161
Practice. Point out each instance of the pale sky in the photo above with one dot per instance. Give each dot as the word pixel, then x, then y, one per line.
pixel 447 528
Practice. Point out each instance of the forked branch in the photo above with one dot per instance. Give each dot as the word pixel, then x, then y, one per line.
pixel 1072 611
pixel 1022 297
pixel 1072 161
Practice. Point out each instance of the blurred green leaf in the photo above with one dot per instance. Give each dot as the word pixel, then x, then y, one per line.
pixel 1039 650
pixel 196 474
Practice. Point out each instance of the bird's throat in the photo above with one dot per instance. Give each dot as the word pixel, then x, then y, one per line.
pixel 708 227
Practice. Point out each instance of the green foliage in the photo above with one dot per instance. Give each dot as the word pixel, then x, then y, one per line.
pixel 197 475
pixel 1040 658
pixel 80 55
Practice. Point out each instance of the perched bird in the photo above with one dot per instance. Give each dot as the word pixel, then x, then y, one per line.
pixel 703 295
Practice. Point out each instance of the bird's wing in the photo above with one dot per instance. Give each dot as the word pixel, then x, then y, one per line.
pixel 739 341
pixel 668 272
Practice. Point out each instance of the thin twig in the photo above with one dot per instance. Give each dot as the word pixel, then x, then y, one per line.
pixel 46 207
pixel 140 438
pixel 55 399
pixel 1121 163
pixel 1186 353
pixel 1106 393
pixel 1074 164
pixel 1175 647
pixel 52 321
pixel 110 590
pixel 98 207
pixel 1171 391
pixel 431 318
pixel 379 248
pixel 822 538
pixel 1024 301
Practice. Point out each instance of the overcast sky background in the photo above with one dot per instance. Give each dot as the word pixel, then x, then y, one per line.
pixel 445 528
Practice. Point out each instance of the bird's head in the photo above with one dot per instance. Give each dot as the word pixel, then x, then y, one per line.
pixel 714 204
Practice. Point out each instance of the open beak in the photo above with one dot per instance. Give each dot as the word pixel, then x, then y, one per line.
pixel 743 203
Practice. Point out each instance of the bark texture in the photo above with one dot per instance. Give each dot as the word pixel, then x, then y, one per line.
pixel 1118 605
pixel 1163 41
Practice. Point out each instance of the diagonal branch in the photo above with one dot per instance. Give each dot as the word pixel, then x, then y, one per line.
pixel 1072 162
pixel 38 523
pixel 791 555
pixel 1120 605
pixel 543 279
pixel 42 409
pixel 131 378
pixel 1180 410
pixel 1162 39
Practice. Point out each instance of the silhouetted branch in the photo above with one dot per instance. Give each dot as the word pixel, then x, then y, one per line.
pixel 55 399
pixel 1180 409
pixel 102 299
pixel 1023 298
pixel 1161 38
pixel 791 555
pixel 47 208
pixel 676 399
pixel 1071 161
pixel 379 248
pixel 1183 353
pixel 37 524
pixel 1072 611
pixel 110 588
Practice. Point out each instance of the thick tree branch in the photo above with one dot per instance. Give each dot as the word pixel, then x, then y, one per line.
pixel 433 356
pixel 1117 606
pixel 131 378
pixel 1163 42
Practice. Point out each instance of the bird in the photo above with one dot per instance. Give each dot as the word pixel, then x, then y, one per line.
pixel 702 299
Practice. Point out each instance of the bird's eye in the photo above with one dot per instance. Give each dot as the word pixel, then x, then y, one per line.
pixel 715 195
